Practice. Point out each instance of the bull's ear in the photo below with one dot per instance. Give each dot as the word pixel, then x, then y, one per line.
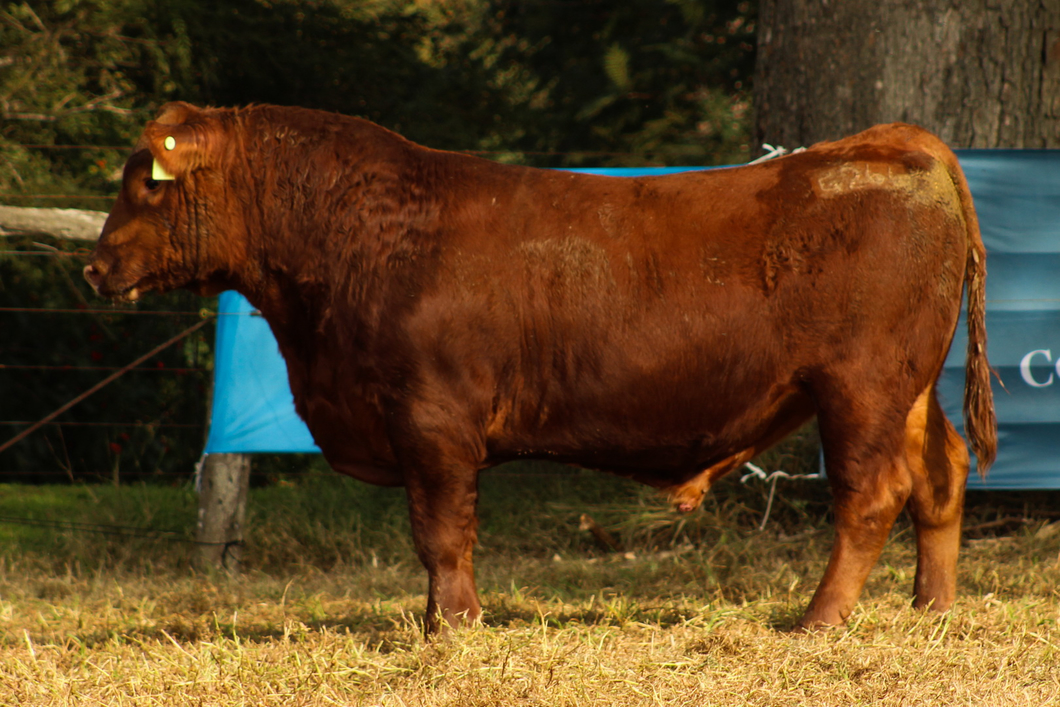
pixel 180 146
pixel 177 112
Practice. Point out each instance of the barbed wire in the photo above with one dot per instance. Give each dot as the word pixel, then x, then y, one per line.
pixel 113 376
pixel 52 368
pixel 38 253
pixel 71 367
pixel 80 476
pixel 57 196
pixel 73 423
pixel 128 531
pixel 560 473
pixel 38 146
pixel 125 530
pixel 71 310
pixel 166 312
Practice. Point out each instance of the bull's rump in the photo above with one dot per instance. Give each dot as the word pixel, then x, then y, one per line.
pixel 667 323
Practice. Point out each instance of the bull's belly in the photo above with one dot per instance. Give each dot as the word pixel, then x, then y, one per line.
pixel 659 450
pixel 660 441
pixel 377 475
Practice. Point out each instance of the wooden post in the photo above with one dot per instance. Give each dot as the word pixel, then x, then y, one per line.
pixel 223 485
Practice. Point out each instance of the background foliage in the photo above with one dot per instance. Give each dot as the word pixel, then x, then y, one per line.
pixel 541 82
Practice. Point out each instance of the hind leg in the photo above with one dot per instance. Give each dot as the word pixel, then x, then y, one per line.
pixel 938 464
pixel 865 461
pixel 866 509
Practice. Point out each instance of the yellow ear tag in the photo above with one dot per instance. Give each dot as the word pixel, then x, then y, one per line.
pixel 159 174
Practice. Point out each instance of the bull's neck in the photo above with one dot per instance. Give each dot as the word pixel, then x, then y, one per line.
pixel 339 247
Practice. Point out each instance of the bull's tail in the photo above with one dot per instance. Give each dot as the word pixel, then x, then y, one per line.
pixel 980 421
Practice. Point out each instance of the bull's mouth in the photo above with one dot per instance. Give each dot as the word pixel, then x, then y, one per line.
pixel 130 294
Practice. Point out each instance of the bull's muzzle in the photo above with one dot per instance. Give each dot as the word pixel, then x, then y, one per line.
pixel 96 275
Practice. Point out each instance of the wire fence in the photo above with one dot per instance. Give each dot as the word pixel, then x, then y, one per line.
pixel 125 531
pixel 110 197
pixel 36 253
pixel 73 423
pixel 160 368
pixel 42 364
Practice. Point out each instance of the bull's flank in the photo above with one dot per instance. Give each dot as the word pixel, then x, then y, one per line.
pixel 440 314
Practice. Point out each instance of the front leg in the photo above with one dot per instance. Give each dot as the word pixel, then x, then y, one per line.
pixel 442 490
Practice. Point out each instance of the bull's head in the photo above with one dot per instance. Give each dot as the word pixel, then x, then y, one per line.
pixel 165 229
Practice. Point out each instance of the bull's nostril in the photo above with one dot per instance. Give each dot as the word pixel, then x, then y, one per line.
pixel 92 275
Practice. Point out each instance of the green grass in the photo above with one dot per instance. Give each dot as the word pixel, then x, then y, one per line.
pixel 326 521
pixel 693 610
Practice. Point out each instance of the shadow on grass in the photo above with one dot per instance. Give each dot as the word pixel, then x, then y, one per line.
pixel 389 629
pixel 374 627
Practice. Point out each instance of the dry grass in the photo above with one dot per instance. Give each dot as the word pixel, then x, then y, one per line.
pixel 311 641
pixel 696 615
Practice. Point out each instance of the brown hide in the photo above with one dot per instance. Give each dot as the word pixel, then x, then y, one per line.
pixel 441 313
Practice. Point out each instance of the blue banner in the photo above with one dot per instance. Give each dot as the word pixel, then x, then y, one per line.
pixel 253 409
pixel 1017 197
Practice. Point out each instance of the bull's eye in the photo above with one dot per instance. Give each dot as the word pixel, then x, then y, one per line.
pixel 151 184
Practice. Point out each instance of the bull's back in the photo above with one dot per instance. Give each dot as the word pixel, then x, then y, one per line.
pixel 708 254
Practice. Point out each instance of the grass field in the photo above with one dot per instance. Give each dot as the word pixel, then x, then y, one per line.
pixel 691 610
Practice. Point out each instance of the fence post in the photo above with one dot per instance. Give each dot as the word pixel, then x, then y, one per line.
pixel 223 485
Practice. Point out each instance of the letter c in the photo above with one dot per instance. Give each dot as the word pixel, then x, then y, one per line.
pixel 1025 368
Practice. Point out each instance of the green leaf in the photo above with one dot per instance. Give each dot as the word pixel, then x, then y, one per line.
pixel 616 64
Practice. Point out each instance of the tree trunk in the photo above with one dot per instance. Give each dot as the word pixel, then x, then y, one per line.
pixel 977 73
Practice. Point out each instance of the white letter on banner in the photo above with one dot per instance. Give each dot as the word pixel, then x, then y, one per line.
pixel 1025 368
